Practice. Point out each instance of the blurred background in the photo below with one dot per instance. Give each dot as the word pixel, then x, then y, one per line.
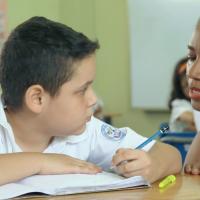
pixel 107 21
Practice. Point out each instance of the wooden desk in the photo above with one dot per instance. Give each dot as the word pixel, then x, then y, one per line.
pixel 185 188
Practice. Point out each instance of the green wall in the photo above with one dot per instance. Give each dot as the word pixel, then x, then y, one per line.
pixel 107 21
pixel 20 10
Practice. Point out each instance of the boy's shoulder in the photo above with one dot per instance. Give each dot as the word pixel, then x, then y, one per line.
pixel 7 141
pixel 3 120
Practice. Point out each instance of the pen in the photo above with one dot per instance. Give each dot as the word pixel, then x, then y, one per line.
pixel 163 130
pixel 154 136
pixel 166 181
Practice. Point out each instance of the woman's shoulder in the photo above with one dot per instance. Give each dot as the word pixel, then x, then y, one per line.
pixel 181 102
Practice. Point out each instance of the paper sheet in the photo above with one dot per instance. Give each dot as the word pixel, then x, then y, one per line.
pixel 69 184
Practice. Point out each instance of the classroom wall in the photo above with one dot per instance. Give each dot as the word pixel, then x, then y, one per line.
pixel 18 11
pixel 107 21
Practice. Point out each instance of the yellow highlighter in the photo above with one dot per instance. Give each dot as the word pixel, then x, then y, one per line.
pixel 166 181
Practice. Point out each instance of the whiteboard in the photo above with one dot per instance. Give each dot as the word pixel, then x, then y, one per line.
pixel 159 34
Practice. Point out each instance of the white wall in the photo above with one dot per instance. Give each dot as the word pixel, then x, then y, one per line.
pixel 159 33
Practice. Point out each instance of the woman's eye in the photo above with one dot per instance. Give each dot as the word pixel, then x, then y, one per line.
pixel 191 58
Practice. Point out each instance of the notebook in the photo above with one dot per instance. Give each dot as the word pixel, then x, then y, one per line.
pixel 70 184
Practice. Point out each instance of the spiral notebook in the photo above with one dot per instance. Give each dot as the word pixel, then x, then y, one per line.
pixel 70 184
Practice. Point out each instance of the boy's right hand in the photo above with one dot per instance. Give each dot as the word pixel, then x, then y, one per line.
pixel 63 164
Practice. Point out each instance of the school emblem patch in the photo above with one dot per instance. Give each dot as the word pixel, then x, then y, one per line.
pixel 113 133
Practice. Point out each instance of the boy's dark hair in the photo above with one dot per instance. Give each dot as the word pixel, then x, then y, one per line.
pixel 177 90
pixel 40 51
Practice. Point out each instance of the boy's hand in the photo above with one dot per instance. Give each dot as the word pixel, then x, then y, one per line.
pixel 139 163
pixel 62 164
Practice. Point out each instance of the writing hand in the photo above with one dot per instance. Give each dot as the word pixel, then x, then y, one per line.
pixel 131 162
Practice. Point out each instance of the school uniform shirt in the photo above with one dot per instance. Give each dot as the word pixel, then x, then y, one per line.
pixel 179 106
pixel 97 144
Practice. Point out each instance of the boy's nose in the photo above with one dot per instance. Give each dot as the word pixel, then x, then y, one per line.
pixel 92 98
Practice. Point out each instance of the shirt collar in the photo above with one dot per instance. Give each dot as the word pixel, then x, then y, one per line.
pixel 59 143
pixel 82 136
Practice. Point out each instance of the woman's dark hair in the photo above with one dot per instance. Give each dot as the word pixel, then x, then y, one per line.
pixel 177 90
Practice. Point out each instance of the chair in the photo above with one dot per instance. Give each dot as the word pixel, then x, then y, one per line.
pixel 180 140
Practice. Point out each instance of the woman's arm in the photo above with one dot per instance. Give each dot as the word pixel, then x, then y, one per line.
pixel 187 118
pixel 192 161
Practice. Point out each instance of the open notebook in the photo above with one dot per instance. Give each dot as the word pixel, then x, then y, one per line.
pixel 70 184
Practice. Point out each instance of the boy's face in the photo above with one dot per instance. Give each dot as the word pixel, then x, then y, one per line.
pixel 193 69
pixel 68 113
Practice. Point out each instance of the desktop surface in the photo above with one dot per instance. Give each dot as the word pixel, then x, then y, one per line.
pixel 185 188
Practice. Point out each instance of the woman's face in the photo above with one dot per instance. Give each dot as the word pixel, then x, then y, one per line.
pixel 193 69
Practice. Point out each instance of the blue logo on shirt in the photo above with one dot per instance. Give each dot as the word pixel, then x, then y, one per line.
pixel 112 133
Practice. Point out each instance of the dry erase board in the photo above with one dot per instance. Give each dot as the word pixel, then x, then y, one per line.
pixel 159 35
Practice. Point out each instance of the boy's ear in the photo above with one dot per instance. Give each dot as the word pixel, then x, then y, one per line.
pixel 35 98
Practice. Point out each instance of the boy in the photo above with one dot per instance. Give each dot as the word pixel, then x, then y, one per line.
pixel 47 70
pixel 192 161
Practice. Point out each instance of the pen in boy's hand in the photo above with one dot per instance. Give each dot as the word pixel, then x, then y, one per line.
pixel 163 130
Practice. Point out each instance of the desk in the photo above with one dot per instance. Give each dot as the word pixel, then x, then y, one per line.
pixel 185 188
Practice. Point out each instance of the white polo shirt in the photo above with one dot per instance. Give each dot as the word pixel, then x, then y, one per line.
pixel 97 144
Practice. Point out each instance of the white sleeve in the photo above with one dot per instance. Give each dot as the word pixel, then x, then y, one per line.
pixel 179 106
pixel 2 142
pixel 107 139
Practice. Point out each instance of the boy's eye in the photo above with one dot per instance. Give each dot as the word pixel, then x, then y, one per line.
pixel 83 91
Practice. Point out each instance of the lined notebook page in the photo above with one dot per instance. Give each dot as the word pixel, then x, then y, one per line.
pixel 69 184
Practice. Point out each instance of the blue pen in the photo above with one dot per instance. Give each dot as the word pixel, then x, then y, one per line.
pixel 154 136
